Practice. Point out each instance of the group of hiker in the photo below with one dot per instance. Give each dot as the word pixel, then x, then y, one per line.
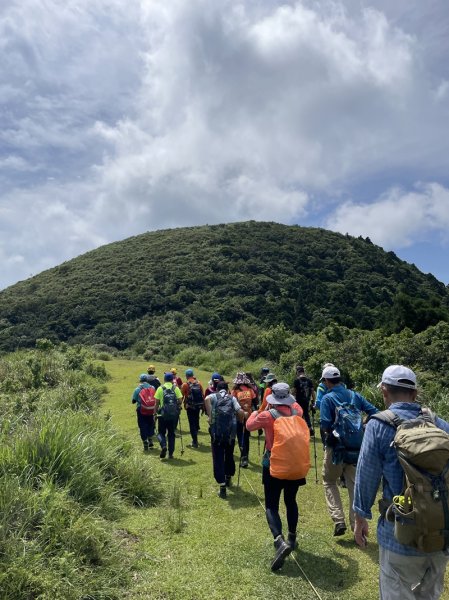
pixel 406 447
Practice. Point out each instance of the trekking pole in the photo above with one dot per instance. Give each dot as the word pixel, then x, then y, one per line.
pixel 314 445
pixel 241 450
pixel 180 433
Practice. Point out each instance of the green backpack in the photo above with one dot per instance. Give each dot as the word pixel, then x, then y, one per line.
pixel 421 513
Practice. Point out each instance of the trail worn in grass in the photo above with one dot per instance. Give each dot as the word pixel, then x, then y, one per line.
pixel 197 546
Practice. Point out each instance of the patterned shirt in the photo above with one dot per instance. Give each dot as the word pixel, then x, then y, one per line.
pixel 378 461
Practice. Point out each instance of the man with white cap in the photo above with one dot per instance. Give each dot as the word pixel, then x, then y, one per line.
pixel 286 405
pixel 338 396
pixel 405 573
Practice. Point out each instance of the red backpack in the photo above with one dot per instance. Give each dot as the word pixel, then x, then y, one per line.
pixel 147 400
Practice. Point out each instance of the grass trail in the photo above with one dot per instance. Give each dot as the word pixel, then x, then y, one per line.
pixel 197 546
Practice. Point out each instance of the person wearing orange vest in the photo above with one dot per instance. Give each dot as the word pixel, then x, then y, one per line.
pixel 269 381
pixel 245 396
pixel 285 404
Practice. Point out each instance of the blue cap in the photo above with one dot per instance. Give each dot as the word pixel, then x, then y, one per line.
pixel 143 377
pixel 168 376
pixel 216 376
pixel 189 373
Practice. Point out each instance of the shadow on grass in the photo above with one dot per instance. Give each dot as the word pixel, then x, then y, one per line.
pixel 179 462
pixel 324 572
pixel 239 498
pixel 372 550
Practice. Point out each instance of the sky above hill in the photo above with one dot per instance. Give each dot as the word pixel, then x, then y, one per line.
pixel 123 117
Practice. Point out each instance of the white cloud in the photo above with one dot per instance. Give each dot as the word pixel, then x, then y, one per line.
pixel 122 117
pixel 399 218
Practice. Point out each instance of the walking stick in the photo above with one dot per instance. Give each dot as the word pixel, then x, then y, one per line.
pixel 180 434
pixel 314 444
pixel 241 450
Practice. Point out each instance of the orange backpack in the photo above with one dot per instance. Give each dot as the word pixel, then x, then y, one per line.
pixel 290 455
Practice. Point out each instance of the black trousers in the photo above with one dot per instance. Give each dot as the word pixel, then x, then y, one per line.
pixel 223 460
pixel 146 425
pixel 166 430
pixel 273 488
pixel 243 436
pixel 305 405
pixel 193 416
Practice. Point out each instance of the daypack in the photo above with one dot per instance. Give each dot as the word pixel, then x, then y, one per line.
pixel 195 398
pixel 147 400
pixel 303 389
pixel 421 513
pixel 245 399
pixel 170 407
pixel 290 455
pixel 348 430
pixel 153 380
pixel 223 422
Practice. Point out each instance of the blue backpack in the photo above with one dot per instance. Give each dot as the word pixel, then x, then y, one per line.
pixel 223 422
pixel 348 430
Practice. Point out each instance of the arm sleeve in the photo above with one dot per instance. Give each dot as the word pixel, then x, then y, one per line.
pixel 368 473
pixel 326 418
pixel 366 406
pixel 258 420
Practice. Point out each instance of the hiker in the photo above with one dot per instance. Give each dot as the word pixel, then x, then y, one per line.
pixel 254 387
pixel 223 410
pixel 406 573
pixel 143 397
pixel 169 399
pixel 342 432
pixel 193 398
pixel 176 380
pixel 212 385
pixel 152 379
pixel 321 388
pixel 245 395
pixel 262 383
pixel 284 405
pixel 269 381
pixel 305 395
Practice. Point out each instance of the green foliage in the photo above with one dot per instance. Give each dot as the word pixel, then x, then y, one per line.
pixel 203 283
pixel 65 476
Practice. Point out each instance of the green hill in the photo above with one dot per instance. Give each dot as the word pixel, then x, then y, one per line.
pixel 194 285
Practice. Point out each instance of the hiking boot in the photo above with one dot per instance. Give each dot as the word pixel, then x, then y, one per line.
pixel 244 462
pixel 163 453
pixel 340 529
pixel 194 444
pixel 145 446
pixel 312 432
pixel 291 541
pixel 170 456
pixel 222 491
pixel 228 479
pixel 342 481
pixel 282 550
pixel 150 444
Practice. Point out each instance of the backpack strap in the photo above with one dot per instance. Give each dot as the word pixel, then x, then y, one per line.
pixel 388 417
pixel 276 414
pixel 428 415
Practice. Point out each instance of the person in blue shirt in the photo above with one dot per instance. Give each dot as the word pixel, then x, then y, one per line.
pixel 338 394
pixel 405 573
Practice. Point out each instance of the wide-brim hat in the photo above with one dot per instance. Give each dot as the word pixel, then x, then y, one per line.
pixel 269 378
pixel 280 394
pixel 241 379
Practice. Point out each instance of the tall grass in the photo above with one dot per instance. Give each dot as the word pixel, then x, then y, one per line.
pixel 65 475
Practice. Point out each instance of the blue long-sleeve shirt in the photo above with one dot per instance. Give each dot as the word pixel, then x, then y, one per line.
pixel 378 461
pixel 340 394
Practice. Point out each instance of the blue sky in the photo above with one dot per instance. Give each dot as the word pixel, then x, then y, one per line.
pixel 119 118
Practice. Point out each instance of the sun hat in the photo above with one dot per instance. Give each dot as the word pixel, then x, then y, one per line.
pixel 241 379
pixel 400 376
pixel 280 394
pixel 269 378
pixel 330 372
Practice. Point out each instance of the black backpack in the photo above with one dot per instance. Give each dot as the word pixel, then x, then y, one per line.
pixel 195 398
pixel 223 421
pixel 303 387
pixel 170 407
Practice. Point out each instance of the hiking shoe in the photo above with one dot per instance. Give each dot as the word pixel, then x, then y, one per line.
pixel 194 445
pixel 340 529
pixel 222 491
pixel 150 444
pixel 312 432
pixel 170 456
pixel 282 550
pixel 291 541
pixel 342 481
pixel 145 447
pixel 244 462
pixel 163 453
pixel 228 479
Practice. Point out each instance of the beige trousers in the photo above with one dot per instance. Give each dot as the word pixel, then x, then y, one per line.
pixel 411 577
pixel 331 474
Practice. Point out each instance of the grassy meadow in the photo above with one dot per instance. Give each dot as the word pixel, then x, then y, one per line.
pixel 195 545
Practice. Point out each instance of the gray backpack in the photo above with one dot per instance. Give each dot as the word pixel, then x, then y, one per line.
pixel 421 513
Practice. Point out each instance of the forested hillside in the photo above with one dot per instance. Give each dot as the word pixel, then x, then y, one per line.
pixel 160 291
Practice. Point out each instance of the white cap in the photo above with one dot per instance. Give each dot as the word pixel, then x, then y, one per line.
pixel 330 372
pixel 400 376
